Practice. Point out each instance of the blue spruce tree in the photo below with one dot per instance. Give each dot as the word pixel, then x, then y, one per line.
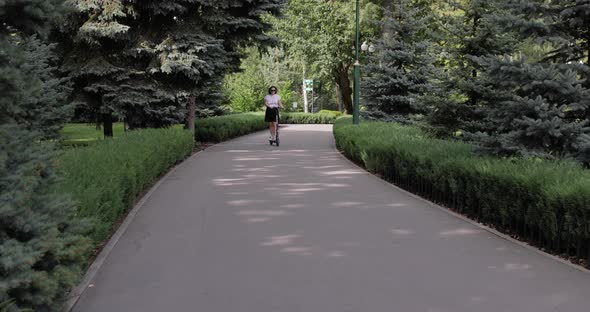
pixel 543 106
pixel 42 248
pixel 399 74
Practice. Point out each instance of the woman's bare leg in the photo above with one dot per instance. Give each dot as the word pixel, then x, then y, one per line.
pixel 271 129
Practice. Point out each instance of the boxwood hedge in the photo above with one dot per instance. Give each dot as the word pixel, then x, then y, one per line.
pixel 544 202
pixel 107 177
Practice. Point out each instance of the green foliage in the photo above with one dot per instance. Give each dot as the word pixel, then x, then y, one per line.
pixel 471 30
pixel 319 36
pixel 543 201
pixel 84 134
pixel 42 247
pixel 322 117
pixel 33 97
pixel 107 177
pixel 123 65
pixel 331 112
pixel 564 24
pixel 394 91
pixel 245 90
pixel 537 103
pixel 32 16
pixel 538 109
pixel 221 128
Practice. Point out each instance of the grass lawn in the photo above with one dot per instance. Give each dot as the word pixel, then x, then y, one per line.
pixel 84 134
pixel 80 134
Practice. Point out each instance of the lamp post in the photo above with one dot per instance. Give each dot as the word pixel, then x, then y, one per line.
pixel 357 71
pixel 357 68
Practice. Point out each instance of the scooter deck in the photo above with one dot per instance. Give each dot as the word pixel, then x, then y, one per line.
pixel 271 142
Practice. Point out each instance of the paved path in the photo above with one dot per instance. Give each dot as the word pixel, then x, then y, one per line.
pixel 245 227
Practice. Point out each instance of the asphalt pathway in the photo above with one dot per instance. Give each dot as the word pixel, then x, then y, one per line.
pixel 246 227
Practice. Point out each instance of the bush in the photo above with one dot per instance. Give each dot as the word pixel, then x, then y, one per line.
pixel 323 117
pixel 221 128
pixel 331 112
pixel 547 203
pixel 106 177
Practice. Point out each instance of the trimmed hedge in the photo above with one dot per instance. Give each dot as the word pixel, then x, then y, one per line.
pixel 222 128
pixel 107 177
pixel 546 203
pixel 323 117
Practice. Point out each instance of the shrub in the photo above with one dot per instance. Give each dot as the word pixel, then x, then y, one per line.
pixel 331 112
pixel 221 128
pixel 545 202
pixel 323 117
pixel 106 177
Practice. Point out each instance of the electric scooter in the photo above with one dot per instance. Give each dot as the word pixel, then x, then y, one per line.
pixel 276 140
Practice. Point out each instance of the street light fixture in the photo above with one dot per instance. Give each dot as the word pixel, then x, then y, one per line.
pixel 357 69
pixel 367 47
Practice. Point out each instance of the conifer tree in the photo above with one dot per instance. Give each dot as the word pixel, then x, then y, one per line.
pixel 535 109
pixel 472 30
pixel 41 246
pixel 140 59
pixel 565 24
pixel 398 76
pixel 543 107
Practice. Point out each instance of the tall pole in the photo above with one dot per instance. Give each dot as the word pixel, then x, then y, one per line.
pixel 305 103
pixel 357 71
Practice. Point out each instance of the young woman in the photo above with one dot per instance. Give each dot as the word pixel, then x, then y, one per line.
pixel 272 102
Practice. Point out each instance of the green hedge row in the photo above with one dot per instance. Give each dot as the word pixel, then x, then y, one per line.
pixel 107 177
pixel 546 203
pixel 322 117
pixel 221 128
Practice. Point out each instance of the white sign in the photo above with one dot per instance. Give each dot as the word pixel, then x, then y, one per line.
pixel 294 104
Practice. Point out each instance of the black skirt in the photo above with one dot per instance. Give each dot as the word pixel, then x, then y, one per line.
pixel 272 114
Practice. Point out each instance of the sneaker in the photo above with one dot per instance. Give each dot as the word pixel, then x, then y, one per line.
pixel 271 138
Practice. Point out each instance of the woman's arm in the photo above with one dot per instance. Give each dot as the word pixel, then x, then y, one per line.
pixel 280 104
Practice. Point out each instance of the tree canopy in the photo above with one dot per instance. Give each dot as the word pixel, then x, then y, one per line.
pixel 321 36
pixel 141 60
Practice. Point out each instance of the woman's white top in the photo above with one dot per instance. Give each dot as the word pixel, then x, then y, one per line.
pixel 272 100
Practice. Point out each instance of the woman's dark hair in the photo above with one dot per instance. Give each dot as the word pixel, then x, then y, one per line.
pixel 273 87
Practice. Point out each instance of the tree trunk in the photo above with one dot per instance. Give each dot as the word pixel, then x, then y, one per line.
pixel 339 98
pixel 588 56
pixel 107 124
pixel 190 116
pixel 343 82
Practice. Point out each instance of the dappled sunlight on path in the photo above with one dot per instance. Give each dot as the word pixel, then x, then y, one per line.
pixel 250 227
